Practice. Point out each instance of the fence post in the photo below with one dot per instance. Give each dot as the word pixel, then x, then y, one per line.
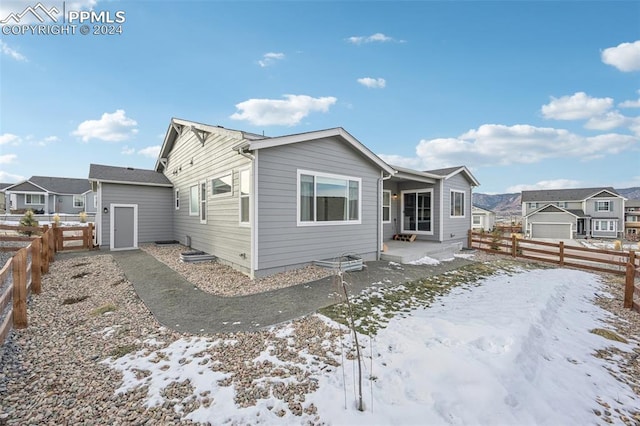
pixel 561 253
pixel 45 250
pixel 629 282
pixel 20 289
pixel 469 238
pixel 514 245
pixel 59 238
pixel 90 236
pixel 36 265
pixel 51 256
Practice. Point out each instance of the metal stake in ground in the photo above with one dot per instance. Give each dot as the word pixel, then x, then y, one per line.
pixel 355 336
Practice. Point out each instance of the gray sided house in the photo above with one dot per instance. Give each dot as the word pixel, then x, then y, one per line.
pixel 50 195
pixel 3 202
pixel 268 204
pixel 573 213
pixel 134 206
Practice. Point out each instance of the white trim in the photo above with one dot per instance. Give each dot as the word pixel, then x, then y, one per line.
pixel 383 206
pixel 316 222
pixel 416 191
pixel 240 196
pixel 609 205
pixel 218 176
pixel 203 201
pixel 197 212
pixel 464 210
pixel 98 219
pixel 253 207
pixel 112 218
pixel 441 212
pixel 120 182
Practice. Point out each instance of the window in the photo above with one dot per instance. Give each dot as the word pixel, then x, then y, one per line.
pixel 177 199
pixel 222 185
pixel 477 220
pixel 203 202
pixel 245 192
pixel 603 206
pixel 78 201
pixel 533 205
pixel 328 198
pixel 457 203
pixel 386 206
pixel 95 200
pixel 563 204
pixel 604 225
pixel 193 200
pixel 34 199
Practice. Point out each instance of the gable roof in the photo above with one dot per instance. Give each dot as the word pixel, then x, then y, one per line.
pixel 339 132
pixel 54 185
pixel 5 185
pixel 479 209
pixel 576 194
pixel 127 176
pixel 448 172
pixel 552 208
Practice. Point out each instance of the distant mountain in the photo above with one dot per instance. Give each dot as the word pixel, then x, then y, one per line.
pixel 511 204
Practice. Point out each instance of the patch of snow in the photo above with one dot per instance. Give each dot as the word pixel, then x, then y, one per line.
pixel 425 261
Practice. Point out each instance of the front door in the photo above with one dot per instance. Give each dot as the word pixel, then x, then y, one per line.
pixel 124 227
pixel 417 211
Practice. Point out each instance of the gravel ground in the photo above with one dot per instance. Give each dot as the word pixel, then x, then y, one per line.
pixel 222 280
pixel 51 372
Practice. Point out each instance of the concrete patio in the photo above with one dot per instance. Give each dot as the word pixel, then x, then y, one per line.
pixel 405 252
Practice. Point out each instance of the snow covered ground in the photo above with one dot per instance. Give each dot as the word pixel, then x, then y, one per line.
pixel 516 349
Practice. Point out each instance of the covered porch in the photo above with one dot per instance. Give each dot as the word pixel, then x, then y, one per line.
pixel 406 252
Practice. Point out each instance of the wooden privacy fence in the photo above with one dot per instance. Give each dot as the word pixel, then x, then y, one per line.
pixel 609 261
pixel 21 275
pixel 79 237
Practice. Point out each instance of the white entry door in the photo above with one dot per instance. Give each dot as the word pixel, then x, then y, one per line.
pixel 124 226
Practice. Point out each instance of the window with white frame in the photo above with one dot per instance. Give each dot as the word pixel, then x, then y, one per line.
pixel 193 200
pixel 34 199
pixel 477 220
pixel 78 201
pixel 245 193
pixel 328 198
pixel 605 225
pixel 457 203
pixel 386 206
pixel 563 204
pixel 533 205
pixel 222 185
pixel 603 206
pixel 203 202
pixel 177 199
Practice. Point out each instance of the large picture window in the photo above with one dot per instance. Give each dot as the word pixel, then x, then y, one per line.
pixel 457 203
pixel 34 199
pixel 326 198
pixel 193 200
pixel 604 225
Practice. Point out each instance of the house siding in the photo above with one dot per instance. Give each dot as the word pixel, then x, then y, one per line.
pixel 222 235
pixel 455 229
pixel 283 244
pixel 154 214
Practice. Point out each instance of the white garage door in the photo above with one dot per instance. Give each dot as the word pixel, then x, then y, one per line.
pixel 551 230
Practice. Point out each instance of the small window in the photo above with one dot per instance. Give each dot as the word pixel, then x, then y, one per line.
pixel 193 200
pixel 533 205
pixel 95 201
pixel 477 220
pixel 245 192
pixel 34 199
pixel 222 185
pixel 386 206
pixel 177 199
pixel 603 206
pixel 457 203
pixel 78 201
pixel 203 202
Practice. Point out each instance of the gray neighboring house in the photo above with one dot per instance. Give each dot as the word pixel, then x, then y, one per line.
pixel 268 204
pixel 134 206
pixel 51 195
pixel 573 213
pixel 3 198
pixel 483 219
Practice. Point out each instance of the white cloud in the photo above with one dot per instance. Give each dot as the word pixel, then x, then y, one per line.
pixel 46 141
pixel 630 104
pixel 7 158
pixel 6 50
pixel 150 151
pixel 10 138
pixel 575 107
pixel 608 121
pixel 625 56
pixel 270 58
pixel 112 127
pixel 373 83
pixel 6 177
pixel 546 184
pixel 374 38
pixel 496 144
pixel 127 151
pixel 288 112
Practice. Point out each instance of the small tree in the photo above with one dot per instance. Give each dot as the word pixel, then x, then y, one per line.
pixel 83 217
pixel 495 239
pixel 28 219
pixel 56 219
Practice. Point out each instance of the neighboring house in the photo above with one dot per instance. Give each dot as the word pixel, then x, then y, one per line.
pixel 632 217
pixel 3 198
pixel 134 206
pixel 571 213
pixel 265 205
pixel 482 219
pixel 48 195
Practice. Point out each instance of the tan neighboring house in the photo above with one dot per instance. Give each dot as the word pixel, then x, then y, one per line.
pixel 632 217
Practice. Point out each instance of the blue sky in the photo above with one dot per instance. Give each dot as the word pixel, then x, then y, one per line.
pixel 527 95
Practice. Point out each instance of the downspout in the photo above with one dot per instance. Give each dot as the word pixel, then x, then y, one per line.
pixel 380 239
